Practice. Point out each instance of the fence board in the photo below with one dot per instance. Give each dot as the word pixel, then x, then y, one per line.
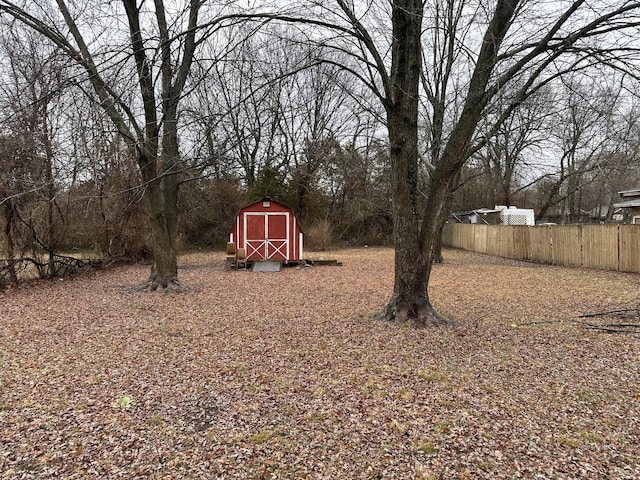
pixel 600 246
pixel 480 238
pixel 630 248
pixel 460 235
pixel 540 246
pixel 493 245
pixel 447 235
pixel 505 242
pixel 566 245
pixel 521 243
pixel 454 236
pixel 467 238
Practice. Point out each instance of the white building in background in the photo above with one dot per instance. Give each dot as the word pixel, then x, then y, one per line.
pixel 631 204
pixel 500 215
pixel 516 216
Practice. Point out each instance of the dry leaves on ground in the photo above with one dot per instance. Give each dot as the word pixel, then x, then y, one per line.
pixel 284 375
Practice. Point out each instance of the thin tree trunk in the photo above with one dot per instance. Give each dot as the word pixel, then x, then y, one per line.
pixel 9 243
pixel 50 190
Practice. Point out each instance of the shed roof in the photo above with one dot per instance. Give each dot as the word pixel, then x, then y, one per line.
pixel 276 202
pixel 266 199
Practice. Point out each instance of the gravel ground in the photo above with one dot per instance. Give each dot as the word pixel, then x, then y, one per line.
pixel 285 375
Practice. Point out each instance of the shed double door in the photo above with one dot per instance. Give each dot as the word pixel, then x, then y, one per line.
pixel 267 236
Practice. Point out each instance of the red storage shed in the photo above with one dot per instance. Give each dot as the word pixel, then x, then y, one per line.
pixel 268 230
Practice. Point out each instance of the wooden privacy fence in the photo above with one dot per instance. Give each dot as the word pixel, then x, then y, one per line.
pixel 610 247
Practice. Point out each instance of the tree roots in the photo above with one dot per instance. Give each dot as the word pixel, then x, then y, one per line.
pixel 418 314
pixel 162 285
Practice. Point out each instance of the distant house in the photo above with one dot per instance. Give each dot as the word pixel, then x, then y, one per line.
pixel 630 204
pixel 602 214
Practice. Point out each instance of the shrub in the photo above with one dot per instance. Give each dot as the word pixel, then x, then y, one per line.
pixel 318 236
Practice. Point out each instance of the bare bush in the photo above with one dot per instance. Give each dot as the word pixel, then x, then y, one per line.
pixel 318 236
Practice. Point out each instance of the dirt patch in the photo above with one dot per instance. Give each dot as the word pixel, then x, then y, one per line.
pixel 285 375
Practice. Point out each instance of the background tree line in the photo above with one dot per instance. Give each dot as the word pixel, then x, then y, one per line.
pixel 251 126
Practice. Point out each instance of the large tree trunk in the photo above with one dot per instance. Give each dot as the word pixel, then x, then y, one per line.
pixel 164 271
pixel 161 198
pixel 162 204
pixel 409 301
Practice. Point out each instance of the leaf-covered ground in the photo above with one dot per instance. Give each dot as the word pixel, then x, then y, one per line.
pixel 284 375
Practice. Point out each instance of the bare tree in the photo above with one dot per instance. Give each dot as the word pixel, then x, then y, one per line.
pixel 162 49
pixel 9 151
pixel 247 104
pixel 505 161
pixel 33 163
pixel 505 42
pixel 274 112
pixel 589 144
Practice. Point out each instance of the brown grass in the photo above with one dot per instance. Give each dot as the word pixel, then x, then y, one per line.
pixel 284 375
